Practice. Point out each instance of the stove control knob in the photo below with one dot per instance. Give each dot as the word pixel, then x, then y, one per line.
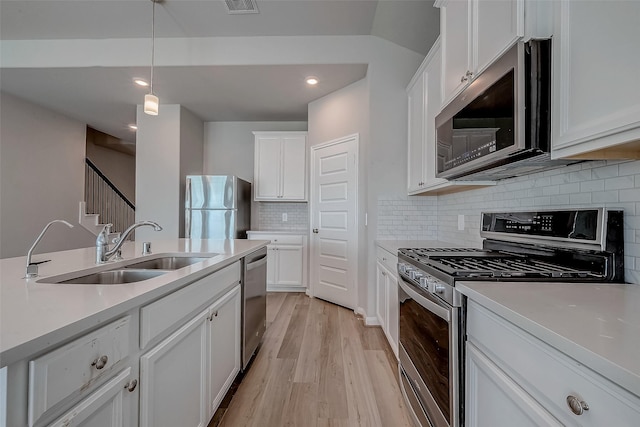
pixel 414 274
pixel 424 282
pixel 438 288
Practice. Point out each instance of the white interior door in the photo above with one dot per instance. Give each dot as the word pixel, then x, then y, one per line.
pixel 334 237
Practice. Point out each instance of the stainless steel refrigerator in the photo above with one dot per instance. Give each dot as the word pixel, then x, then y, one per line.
pixel 217 207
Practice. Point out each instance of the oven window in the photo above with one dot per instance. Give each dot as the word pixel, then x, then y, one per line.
pixel 425 337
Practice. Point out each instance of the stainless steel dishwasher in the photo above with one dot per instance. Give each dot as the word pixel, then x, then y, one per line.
pixel 254 303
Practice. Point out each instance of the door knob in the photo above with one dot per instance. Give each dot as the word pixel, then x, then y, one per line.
pixel 315 230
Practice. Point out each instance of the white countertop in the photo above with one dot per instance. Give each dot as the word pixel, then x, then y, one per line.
pixel 34 315
pixel 597 325
pixel 393 245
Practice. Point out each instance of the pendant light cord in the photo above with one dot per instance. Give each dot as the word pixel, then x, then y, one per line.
pixel 153 40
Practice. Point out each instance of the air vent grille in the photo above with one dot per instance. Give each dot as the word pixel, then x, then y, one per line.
pixel 241 6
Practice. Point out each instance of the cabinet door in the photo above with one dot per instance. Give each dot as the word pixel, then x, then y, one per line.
pixel 224 346
pixel 381 295
pixel 497 24
pixel 415 159
pixel 596 63
pixel 109 406
pixel 455 27
pixel 268 164
pixel 173 378
pixel 494 399
pixel 393 308
pixel 432 108
pixel 289 265
pixel 294 161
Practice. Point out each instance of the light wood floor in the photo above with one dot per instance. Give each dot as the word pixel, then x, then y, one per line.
pixel 318 366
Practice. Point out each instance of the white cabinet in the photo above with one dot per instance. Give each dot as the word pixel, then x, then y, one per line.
pixel 476 32
pixel 63 374
pixel 224 346
pixel 286 260
pixel 109 406
pixel 184 378
pixel 511 372
pixel 387 305
pixel 595 65
pixel 280 172
pixel 424 105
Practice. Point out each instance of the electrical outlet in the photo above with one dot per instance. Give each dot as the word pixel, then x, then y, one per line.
pixel 284 217
pixel 460 222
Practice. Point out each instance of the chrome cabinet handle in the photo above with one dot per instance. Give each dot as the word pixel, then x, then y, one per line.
pixel 131 385
pixel 463 79
pixel 576 405
pixel 100 362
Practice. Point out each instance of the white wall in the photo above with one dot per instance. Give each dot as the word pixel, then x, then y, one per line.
pixel 41 178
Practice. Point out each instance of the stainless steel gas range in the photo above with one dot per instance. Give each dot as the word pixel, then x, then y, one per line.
pixel 583 245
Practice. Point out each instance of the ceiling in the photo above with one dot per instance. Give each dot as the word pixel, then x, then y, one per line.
pixel 104 97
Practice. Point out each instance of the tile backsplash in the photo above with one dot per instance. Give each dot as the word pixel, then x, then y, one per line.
pixel 270 216
pixel 610 184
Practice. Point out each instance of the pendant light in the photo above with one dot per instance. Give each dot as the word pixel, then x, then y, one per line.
pixel 150 100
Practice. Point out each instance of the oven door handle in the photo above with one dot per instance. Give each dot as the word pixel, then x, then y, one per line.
pixel 426 302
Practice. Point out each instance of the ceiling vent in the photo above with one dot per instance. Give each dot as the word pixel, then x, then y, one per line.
pixel 241 6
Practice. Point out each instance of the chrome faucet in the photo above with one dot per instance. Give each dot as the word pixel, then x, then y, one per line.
pixel 103 253
pixel 32 268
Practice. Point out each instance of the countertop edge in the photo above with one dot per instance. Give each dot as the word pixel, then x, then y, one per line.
pixel 81 325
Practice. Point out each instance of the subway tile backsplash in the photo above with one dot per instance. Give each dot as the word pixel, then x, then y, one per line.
pixel 270 216
pixel 611 184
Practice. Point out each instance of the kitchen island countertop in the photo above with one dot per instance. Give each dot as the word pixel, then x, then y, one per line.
pixel 597 325
pixel 35 314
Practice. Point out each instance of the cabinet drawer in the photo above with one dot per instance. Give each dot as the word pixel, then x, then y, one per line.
pixel 389 260
pixel 72 368
pixel 163 314
pixel 549 375
pixel 278 239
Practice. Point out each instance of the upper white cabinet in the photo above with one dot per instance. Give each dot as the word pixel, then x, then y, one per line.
pixel 476 32
pixel 596 98
pixel 424 105
pixel 280 172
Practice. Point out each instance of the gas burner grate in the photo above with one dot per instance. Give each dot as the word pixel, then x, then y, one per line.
pixel 507 267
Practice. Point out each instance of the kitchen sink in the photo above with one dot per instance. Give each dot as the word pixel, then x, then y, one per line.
pixel 166 263
pixel 114 277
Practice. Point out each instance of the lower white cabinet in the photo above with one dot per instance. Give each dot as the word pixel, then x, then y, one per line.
pixel 184 377
pixel 513 378
pixel 109 406
pixel 387 305
pixel 286 260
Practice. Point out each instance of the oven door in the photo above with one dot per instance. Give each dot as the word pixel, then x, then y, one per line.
pixel 429 354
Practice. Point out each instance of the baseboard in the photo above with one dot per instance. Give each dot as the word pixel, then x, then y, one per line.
pixel 368 320
pixel 286 288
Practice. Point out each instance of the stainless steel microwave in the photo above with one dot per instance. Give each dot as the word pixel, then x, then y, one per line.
pixel 499 126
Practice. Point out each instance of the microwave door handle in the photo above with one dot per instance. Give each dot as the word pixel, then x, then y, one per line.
pixel 426 302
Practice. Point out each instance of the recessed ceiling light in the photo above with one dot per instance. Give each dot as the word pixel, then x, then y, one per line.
pixel 141 82
pixel 133 127
pixel 312 80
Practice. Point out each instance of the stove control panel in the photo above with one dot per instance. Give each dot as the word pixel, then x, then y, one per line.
pixel 422 279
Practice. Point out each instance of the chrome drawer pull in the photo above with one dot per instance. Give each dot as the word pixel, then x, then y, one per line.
pixel 576 405
pixel 100 362
pixel 131 385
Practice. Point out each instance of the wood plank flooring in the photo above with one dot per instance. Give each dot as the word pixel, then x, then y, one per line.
pixel 318 366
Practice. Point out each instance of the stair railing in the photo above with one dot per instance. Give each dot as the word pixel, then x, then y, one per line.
pixel 103 198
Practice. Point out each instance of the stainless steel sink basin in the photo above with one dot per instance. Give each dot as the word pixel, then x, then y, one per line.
pixel 114 277
pixel 166 263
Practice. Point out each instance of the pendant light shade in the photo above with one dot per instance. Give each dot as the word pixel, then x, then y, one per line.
pixel 151 104
pixel 151 101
